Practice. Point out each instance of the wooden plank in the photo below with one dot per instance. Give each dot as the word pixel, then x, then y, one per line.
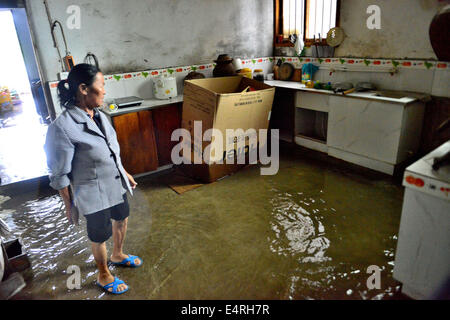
pixel 166 120
pixel 136 138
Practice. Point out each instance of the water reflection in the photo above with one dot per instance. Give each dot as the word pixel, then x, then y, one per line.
pixel 290 239
pixel 297 232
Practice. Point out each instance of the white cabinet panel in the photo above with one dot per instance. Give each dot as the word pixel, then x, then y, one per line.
pixel 312 101
pixel 365 127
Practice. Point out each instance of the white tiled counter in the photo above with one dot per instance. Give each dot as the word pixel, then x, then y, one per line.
pixel 148 104
pixel 363 128
pixel 360 95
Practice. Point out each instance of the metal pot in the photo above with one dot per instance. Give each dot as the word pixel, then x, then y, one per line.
pixel 342 86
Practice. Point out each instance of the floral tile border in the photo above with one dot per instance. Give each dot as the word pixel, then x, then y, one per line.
pixel 396 63
pixel 173 71
pixel 373 63
pixel 179 70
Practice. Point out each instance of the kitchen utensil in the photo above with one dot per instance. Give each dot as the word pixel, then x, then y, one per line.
pixel 276 70
pixel 360 86
pixel 315 46
pixel 286 70
pixel 327 51
pixel 165 87
pixel 335 36
pixel 349 91
pixel 439 35
pixel 341 86
pixel 320 47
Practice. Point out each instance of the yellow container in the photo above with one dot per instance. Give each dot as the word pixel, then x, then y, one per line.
pixel 246 72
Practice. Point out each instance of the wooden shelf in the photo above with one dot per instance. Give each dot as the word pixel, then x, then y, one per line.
pixel 284 44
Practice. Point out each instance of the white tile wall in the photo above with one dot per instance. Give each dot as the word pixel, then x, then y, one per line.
pixel 136 84
pixel 441 83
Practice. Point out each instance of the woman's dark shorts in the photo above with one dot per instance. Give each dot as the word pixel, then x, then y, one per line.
pixel 99 226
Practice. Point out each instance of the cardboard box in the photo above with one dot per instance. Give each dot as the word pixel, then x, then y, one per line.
pixel 224 103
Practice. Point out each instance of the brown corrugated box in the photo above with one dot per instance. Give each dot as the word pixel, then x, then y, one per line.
pixel 224 103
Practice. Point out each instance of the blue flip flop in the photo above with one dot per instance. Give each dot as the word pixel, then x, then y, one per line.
pixel 130 259
pixel 114 285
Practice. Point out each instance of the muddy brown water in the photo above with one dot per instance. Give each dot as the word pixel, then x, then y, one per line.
pixel 309 232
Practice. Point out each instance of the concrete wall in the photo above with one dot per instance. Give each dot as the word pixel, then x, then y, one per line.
pixel 403 33
pixel 144 34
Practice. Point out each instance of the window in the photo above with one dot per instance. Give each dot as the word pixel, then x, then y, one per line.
pixel 308 18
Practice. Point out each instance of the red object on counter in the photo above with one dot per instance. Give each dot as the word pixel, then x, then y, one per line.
pixel 419 183
pixel 410 179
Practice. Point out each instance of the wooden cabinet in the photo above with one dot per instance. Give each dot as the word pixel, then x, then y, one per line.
pixel 165 121
pixel 136 136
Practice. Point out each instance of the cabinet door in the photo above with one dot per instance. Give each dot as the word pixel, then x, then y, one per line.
pixel 137 141
pixel 365 127
pixel 166 120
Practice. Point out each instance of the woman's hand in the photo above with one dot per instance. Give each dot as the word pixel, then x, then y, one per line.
pixel 70 209
pixel 131 180
pixel 69 214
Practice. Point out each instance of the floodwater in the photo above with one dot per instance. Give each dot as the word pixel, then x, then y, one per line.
pixel 309 232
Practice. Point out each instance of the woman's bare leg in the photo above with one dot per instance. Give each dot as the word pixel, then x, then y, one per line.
pixel 104 275
pixel 119 233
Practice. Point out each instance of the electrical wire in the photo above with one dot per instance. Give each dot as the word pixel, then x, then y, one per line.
pixel 90 56
pixel 55 44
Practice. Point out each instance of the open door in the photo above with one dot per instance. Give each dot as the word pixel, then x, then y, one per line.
pixel 23 109
pixel 26 44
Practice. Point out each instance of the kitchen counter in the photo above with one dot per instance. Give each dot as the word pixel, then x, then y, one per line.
pixel 422 254
pixel 371 95
pixel 423 167
pixel 146 105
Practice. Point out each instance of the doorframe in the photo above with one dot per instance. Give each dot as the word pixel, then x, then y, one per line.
pixel 14 5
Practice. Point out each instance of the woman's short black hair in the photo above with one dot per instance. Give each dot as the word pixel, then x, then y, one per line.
pixel 81 73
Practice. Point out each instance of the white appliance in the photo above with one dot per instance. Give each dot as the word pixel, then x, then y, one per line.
pixel 165 87
pixel 422 261
pixel 126 102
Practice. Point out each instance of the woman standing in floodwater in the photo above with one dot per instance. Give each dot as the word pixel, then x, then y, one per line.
pixel 83 153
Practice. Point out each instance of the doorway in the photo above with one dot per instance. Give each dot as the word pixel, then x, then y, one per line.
pixel 23 112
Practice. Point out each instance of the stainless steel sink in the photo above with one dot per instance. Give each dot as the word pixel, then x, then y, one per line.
pixel 391 94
